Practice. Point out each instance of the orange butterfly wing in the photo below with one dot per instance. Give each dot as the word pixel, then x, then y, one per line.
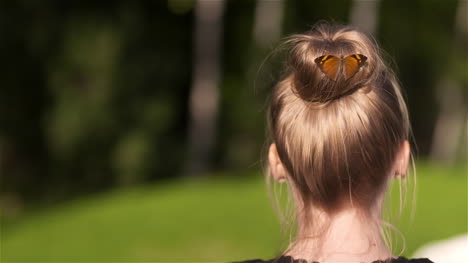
pixel 352 64
pixel 329 65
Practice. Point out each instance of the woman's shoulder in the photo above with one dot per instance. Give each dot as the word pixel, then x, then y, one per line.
pixel 289 259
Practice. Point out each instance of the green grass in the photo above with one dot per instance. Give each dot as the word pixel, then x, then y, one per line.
pixel 212 219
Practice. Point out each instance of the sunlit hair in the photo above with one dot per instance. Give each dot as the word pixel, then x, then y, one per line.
pixel 337 139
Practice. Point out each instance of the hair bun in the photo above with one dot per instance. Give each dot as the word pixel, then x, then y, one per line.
pixel 324 70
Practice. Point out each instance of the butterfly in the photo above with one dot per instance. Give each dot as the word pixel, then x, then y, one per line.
pixel 332 66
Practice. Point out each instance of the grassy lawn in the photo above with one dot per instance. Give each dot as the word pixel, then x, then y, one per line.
pixel 221 218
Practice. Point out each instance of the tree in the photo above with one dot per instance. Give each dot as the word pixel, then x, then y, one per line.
pixel 204 95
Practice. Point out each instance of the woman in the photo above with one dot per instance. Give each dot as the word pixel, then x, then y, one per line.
pixel 340 130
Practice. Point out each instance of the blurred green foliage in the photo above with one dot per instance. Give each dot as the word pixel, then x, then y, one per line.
pixel 222 219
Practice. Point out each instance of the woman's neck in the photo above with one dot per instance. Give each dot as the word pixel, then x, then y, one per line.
pixel 346 237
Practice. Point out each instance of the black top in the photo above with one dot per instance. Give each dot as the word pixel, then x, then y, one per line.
pixel 289 259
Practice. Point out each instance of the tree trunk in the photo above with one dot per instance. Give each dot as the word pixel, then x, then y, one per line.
pixel 364 14
pixel 268 22
pixel 452 115
pixel 204 94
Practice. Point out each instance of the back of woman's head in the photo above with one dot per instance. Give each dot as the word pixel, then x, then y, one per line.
pixel 337 118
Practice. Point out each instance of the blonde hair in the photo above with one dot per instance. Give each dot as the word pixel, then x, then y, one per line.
pixel 338 138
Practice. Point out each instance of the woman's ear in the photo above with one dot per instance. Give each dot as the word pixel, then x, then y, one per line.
pixel 276 166
pixel 400 166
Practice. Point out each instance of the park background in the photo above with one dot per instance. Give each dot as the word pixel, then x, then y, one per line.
pixel 134 130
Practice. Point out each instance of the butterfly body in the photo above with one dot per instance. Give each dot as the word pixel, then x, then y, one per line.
pixel 334 67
